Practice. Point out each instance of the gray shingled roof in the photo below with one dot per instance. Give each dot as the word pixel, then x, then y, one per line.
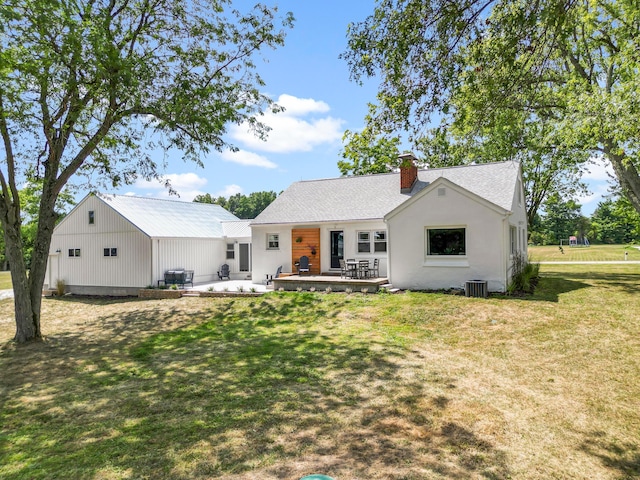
pixel 371 197
pixel 169 218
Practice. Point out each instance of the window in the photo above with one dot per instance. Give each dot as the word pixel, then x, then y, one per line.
pixel 74 252
pixel 446 241
pixel 273 241
pixel 110 252
pixel 513 239
pixel 364 243
pixel 380 241
pixel 372 241
pixel 231 253
pixel 92 217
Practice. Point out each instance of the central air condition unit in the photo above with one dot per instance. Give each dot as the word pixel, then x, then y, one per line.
pixel 476 288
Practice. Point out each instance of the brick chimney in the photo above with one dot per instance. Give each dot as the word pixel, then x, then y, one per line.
pixel 408 172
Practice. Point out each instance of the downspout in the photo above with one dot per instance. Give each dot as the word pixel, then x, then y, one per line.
pixel 388 251
pixel 506 250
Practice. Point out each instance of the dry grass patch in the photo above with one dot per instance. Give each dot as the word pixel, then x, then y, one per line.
pixel 407 386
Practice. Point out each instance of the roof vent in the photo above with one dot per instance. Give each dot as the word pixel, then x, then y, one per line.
pixel 442 192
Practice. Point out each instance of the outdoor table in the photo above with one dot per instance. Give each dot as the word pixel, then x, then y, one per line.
pixel 352 267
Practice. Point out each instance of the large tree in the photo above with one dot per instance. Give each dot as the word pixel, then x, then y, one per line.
pixel 88 88
pixel 572 64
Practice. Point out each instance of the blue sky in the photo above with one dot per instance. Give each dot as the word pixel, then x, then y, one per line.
pixel 312 83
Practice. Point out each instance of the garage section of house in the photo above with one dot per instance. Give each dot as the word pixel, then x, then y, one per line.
pixel 117 244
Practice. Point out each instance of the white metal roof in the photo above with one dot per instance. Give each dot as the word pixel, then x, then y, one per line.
pixel 237 229
pixel 370 197
pixel 170 218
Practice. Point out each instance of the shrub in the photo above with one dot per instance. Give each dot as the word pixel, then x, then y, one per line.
pixel 60 287
pixel 525 275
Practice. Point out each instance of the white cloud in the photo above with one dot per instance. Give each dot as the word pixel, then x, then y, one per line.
pixel 187 185
pixel 291 130
pixel 599 170
pixel 244 157
pixel 295 106
pixel 228 191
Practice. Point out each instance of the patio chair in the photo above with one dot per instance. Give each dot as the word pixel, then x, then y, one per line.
pixel 271 277
pixel 363 269
pixel 303 265
pixel 374 271
pixel 344 271
pixel 188 278
pixel 224 272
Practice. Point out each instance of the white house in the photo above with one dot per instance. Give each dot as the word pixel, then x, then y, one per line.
pixel 114 244
pixel 430 229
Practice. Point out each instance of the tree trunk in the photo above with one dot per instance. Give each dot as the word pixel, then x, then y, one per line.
pixel 27 321
pixel 626 173
pixel 27 285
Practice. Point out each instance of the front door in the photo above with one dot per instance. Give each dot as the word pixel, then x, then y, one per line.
pixel 245 257
pixel 337 248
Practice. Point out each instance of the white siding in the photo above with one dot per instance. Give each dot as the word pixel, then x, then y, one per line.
pixel 203 256
pixel 131 266
pixel 486 239
pixel 140 260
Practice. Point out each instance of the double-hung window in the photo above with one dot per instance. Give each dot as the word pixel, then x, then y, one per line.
pixel 380 241
pixel 273 241
pixel 364 242
pixel 375 241
pixel 231 253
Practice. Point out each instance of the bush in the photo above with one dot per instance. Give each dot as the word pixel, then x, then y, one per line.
pixel 60 287
pixel 525 275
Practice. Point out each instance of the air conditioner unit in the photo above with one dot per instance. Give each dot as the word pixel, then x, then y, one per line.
pixel 476 288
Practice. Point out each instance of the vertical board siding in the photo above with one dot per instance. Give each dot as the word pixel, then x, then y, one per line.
pixel 130 268
pixel 202 255
pixel 302 241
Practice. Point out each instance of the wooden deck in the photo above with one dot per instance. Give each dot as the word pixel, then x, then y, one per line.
pixel 322 282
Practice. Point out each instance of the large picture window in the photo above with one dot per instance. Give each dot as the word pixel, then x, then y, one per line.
pixel 446 241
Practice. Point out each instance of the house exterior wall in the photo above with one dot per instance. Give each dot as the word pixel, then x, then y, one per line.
pixel 486 232
pixel 130 268
pixel 266 261
pixel 202 255
pixel 518 220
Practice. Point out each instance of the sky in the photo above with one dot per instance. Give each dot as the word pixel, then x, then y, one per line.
pixel 308 78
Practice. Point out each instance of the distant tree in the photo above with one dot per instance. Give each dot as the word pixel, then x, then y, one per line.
pixel 242 206
pixel 615 221
pixel 89 87
pixel 560 219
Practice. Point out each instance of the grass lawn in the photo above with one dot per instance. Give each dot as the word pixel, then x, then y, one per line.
pixel 594 253
pixel 407 386
pixel 5 281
